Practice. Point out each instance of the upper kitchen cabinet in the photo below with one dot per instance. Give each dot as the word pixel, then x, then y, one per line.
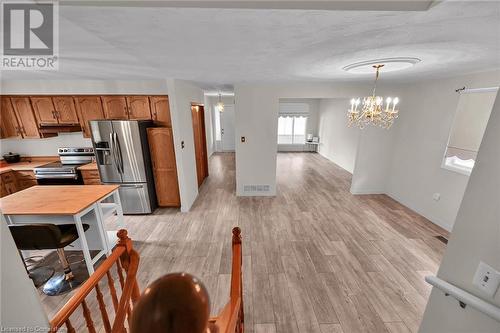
pixel 9 127
pixel 88 108
pixel 115 107
pixel 65 110
pixel 52 111
pixel 44 110
pixel 160 110
pixel 26 117
pixel 138 107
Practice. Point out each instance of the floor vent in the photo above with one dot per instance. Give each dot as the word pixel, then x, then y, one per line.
pixel 442 239
pixel 256 188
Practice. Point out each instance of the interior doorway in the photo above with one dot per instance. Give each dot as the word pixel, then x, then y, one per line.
pixel 200 142
pixel 227 129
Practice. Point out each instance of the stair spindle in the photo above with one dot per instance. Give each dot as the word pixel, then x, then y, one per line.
pixel 112 290
pixel 88 317
pixel 102 307
pixel 69 327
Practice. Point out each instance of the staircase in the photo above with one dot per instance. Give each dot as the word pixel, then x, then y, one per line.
pixel 125 260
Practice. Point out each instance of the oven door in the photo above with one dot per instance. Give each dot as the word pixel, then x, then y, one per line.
pixel 71 179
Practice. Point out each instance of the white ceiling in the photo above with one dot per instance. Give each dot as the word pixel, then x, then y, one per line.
pixel 220 47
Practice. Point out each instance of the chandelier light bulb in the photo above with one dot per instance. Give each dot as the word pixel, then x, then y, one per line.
pixel 396 101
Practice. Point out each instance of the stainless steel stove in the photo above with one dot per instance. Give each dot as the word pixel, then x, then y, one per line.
pixel 65 171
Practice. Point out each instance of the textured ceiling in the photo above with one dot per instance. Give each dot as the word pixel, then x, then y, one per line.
pixel 221 47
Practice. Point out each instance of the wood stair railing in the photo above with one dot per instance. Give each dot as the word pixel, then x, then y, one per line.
pixel 231 318
pixel 126 259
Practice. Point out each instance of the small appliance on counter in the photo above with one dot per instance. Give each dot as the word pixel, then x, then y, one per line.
pixel 122 156
pixel 11 157
pixel 65 172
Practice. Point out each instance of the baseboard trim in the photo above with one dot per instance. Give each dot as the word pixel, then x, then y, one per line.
pixel 433 219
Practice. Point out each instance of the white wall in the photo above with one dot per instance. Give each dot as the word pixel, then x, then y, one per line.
pixel 475 237
pixel 44 147
pixel 338 142
pixel 421 134
pixel 181 95
pixel 48 147
pixel 311 125
pixel 19 301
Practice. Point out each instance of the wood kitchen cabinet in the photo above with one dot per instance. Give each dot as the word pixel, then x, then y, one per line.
pixel 138 107
pixel 160 110
pixel 65 110
pixel 45 112
pixel 9 127
pixel 25 117
pixel 115 107
pixel 8 184
pixel 91 177
pixel 88 108
pixel 161 146
pixel 25 179
pixel 56 110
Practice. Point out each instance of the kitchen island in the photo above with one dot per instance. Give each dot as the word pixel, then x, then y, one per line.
pixel 78 204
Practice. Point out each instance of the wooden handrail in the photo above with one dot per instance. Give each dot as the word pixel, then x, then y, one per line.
pixel 231 318
pixel 129 259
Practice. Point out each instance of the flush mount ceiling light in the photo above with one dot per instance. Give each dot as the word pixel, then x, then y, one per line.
pixel 390 65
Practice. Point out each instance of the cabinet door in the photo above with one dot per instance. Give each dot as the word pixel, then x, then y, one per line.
pixel 115 107
pixel 65 110
pixel 9 128
pixel 88 108
pixel 138 107
pixel 25 117
pixel 160 110
pixel 44 110
pixel 161 145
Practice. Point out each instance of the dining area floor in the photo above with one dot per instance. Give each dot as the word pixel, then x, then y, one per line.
pixel 315 257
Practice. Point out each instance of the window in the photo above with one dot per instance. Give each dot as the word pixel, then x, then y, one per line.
pixel 292 129
pixel 472 115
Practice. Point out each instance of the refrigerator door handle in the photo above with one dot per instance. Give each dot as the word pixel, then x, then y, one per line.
pixel 131 186
pixel 118 152
pixel 113 150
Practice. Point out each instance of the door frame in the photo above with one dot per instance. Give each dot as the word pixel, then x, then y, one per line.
pixel 198 110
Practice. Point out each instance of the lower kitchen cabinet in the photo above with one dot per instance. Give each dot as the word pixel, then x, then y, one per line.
pixel 91 177
pixel 161 146
pixel 8 185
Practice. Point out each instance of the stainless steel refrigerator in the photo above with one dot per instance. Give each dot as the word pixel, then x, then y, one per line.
pixel 122 155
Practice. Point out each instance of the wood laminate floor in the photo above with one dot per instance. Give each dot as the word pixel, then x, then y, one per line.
pixel 316 258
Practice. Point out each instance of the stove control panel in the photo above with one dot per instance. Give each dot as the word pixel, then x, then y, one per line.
pixel 75 151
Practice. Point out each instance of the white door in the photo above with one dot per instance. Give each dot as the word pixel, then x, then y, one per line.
pixel 227 128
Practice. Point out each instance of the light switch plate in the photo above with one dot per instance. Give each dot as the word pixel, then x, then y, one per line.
pixel 486 279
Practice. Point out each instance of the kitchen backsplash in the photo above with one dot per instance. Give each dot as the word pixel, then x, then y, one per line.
pixel 44 147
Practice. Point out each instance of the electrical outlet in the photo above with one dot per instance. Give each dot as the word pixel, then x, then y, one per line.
pixel 436 196
pixel 486 279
